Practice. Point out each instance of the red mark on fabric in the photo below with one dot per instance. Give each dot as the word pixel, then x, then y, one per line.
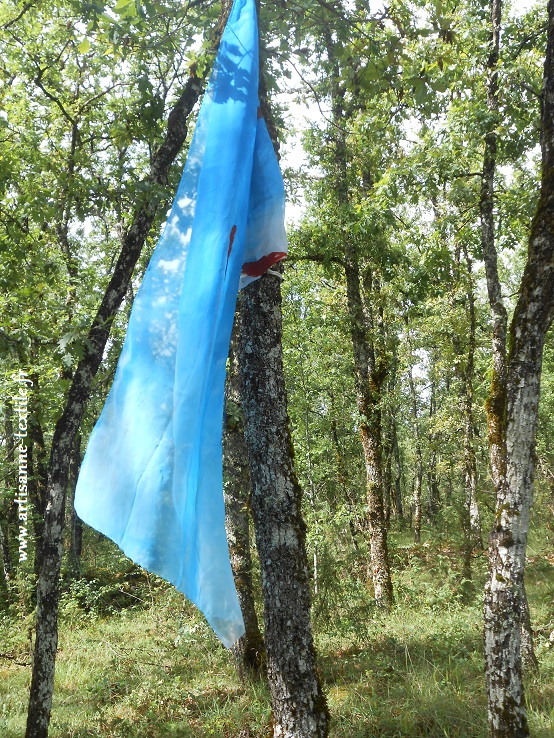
pixel 257 268
pixel 231 239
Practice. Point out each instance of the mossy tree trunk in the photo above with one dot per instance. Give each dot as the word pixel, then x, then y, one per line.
pixel 504 591
pixel 496 401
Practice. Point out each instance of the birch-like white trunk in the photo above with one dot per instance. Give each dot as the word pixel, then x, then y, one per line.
pixel 504 592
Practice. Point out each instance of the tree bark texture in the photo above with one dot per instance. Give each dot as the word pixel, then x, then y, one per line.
pixel 299 705
pixel 42 682
pixel 249 651
pixel 470 512
pixel 529 660
pixel 504 591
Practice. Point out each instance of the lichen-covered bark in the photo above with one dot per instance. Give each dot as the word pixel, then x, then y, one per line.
pixel 529 658
pixel 504 592
pixel 42 682
pixel 299 705
pixel 249 651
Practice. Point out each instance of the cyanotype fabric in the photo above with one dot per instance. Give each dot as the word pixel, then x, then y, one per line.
pixel 151 478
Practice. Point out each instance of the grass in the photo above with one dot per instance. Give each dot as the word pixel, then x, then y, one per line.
pixel 155 670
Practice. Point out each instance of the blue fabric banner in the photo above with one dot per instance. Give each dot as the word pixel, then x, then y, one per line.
pixel 151 479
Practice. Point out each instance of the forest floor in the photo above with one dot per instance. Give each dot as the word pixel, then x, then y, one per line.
pixel 136 661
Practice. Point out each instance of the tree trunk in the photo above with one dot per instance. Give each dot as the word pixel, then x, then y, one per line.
pixel 298 702
pixel 387 473
pixel 7 512
pixel 528 656
pixel 474 537
pixel 75 523
pixel 433 492
pixel 5 573
pixel 433 495
pixel 504 591
pixel 42 682
pixel 368 396
pixel 355 525
pixel 496 402
pixel 418 475
pixel 397 474
pixel 249 651
pixel 368 377
pixel 299 705
pixel 37 484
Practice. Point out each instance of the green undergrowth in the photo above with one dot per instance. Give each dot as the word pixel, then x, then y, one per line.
pixel 136 661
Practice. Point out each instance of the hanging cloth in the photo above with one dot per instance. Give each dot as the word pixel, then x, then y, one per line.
pixel 151 479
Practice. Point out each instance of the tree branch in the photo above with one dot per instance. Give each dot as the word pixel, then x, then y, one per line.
pixel 25 8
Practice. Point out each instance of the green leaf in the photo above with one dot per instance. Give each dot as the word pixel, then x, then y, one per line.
pixel 65 340
pixel 84 46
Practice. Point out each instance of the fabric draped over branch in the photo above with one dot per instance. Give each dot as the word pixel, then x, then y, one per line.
pixel 151 479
